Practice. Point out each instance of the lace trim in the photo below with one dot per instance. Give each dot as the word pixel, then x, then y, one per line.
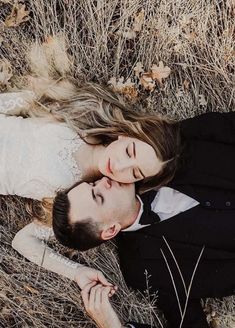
pixel 66 155
pixel 43 233
pixel 8 104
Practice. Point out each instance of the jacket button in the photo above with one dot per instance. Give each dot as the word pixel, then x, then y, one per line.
pixel 208 204
pixel 228 203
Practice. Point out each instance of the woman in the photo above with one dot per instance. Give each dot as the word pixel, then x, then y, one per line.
pixel 86 134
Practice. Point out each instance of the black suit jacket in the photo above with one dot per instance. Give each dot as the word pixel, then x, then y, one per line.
pixel 186 234
pixel 207 174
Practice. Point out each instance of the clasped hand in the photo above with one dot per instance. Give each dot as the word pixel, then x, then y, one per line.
pixel 96 291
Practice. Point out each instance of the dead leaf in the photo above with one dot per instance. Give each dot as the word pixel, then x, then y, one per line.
pixel 30 289
pixel 126 88
pixel 138 21
pixel 130 92
pixel 147 81
pixel 5 72
pixel 17 16
pixel 186 84
pixel 138 69
pixel 160 72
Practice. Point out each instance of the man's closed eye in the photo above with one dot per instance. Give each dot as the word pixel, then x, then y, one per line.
pixel 98 198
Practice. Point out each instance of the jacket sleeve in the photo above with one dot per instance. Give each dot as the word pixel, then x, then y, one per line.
pixel 217 127
pixel 194 315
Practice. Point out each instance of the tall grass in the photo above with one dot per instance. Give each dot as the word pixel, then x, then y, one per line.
pixel 195 39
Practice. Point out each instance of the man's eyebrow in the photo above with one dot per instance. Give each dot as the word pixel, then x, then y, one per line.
pixel 93 194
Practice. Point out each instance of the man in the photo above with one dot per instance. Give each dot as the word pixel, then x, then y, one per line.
pixel 155 234
pixel 183 235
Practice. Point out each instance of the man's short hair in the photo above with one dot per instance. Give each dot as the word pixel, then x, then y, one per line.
pixel 81 235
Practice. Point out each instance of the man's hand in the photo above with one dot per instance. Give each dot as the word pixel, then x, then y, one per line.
pixel 97 305
pixel 87 275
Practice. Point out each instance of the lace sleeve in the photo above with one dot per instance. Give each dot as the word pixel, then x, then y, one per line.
pixel 16 103
pixel 31 242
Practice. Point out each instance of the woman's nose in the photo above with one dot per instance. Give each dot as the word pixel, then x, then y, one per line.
pixel 105 183
pixel 120 166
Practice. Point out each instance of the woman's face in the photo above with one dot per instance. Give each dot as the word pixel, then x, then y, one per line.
pixel 129 160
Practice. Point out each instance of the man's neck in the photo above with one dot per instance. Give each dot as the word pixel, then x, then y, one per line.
pixel 134 214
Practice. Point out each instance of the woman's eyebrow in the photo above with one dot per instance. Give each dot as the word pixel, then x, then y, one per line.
pixel 134 152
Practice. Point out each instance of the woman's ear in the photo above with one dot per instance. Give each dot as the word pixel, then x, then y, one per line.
pixel 111 231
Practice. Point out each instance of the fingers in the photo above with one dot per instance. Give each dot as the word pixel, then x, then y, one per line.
pixel 94 295
pixel 113 291
pixel 101 278
pixel 94 302
pixel 85 293
pixel 105 292
pixel 98 299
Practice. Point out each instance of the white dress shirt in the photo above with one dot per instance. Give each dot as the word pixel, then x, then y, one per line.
pixel 166 204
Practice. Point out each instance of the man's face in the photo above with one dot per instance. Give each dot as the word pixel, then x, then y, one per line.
pixel 104 201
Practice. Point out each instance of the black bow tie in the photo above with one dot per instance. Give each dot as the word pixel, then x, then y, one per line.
pixel 148 216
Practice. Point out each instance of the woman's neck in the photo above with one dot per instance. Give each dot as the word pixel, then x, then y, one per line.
pixel 87 158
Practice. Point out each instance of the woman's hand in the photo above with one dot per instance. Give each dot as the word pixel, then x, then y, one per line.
pixel 86 275
pixel 97 305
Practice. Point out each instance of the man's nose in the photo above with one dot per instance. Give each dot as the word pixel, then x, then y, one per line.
pixel 105 183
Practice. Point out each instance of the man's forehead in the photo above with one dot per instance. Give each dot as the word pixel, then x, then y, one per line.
pixel 79 201
pixel 78 190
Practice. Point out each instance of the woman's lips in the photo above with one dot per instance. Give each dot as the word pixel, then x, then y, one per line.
pixel 109 170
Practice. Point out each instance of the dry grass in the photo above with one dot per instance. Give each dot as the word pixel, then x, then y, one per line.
pixel 195 39
pixel 33 297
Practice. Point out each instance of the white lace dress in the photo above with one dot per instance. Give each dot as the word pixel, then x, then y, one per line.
pixel 36 156
pixel 36 159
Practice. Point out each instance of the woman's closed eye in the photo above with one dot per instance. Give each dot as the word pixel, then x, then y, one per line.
pixel 100 198
pixel 136 175
pixel 130 150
